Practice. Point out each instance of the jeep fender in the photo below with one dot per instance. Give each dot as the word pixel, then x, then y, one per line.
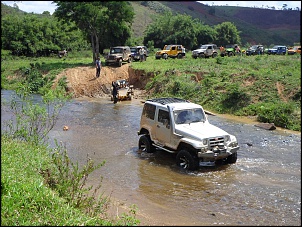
pixel 196 145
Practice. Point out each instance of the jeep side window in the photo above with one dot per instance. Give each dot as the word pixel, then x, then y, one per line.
pixel 173 48
pixel 163 117
pixel 149 111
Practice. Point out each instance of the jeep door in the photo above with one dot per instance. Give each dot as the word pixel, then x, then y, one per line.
pixel 209 51
pixel 163 127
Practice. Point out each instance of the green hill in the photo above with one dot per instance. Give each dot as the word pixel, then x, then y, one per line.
pixel 257 25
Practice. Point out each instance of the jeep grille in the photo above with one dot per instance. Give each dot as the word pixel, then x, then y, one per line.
pixel 112 57
pixel 215 141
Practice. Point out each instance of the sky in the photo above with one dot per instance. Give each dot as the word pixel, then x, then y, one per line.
pixel 41 6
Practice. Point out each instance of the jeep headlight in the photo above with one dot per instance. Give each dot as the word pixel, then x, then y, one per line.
pixel 227 138
pixel 204 141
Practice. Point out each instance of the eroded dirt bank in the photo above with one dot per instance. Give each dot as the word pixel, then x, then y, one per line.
pixel 83 82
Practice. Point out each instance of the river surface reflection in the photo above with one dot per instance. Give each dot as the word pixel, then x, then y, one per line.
pixel 262 188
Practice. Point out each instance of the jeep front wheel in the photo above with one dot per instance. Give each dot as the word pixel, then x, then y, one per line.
pixel 202 55
pixel 145 144
pixel 185 160
pixel 165 56
pixel 120 62
pixel 232 158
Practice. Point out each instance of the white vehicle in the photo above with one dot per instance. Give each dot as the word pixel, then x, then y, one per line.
pixel 207 50
pixel 179 126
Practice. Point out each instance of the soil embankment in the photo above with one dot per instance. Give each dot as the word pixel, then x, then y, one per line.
pixel 81 81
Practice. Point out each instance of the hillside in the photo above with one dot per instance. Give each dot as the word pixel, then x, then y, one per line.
pixel 256 25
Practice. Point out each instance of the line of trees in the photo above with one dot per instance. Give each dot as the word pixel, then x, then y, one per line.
pixel 99 25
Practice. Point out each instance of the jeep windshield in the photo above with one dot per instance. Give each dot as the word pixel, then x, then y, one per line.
pixel 230 46
pixel 188 116
pixel 134 50
pixel 116 50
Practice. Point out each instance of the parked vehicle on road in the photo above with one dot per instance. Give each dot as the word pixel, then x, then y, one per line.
pixel 255 50
pixel 294 50
pixel 206 50
pixel 118 55
pixel 135 52
pixel 278 49
pixel 181 127
pixel 171 51
pixel 230 50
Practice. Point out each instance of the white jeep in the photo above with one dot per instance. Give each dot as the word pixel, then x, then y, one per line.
pixel 207 50
pixel 181 127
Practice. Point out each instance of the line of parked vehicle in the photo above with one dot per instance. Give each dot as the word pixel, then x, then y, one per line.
pixel 119 54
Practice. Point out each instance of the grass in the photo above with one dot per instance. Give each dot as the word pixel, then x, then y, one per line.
pixel 28 200
pixel 239 85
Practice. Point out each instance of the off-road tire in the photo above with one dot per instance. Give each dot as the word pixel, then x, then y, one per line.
pixel 145 144
pixel 120 62
pixel 185 160
pixel 179 56
pixel 214 55
pixel 165 56
pixel 129 59
pixel 202 55
pixel 232 158
pixel 230 54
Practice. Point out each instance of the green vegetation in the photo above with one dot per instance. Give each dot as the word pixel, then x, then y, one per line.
pixel 40 185
pixel 268 87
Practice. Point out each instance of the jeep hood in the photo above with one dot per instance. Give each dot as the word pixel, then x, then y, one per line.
pixel 200 49
pixel 199 130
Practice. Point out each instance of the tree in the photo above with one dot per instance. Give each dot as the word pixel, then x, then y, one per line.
pixel 227 33
pixel 106 21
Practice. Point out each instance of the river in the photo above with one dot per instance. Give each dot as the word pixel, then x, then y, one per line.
pixel 262 188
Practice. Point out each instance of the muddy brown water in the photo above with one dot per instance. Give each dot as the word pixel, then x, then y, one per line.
pixel 262 188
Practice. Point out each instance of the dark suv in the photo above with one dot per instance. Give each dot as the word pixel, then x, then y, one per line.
pixel 255 50
pixel 135 52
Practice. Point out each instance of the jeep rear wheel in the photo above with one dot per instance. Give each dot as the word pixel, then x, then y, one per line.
pixel 145 144
pixel 186 160
pixel 214 55
pixel 232 158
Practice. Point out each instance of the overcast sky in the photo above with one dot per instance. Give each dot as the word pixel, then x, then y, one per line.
pixel 41 6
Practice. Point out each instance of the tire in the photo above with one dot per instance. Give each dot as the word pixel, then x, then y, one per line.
pixel 179 56
pixel 165 56
pixel 194 57
pixel 202 55
pixel 230 54
pixel 120 62
pixel 185 160
pixel 129 59
pixel 232 158
pixel 214 55
pixel 145 144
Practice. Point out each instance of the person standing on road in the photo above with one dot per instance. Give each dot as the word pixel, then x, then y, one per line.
pixel 141 54
pixel 98 66
pixel 115 86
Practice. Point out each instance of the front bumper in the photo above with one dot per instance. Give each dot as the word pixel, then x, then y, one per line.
pixel 217 153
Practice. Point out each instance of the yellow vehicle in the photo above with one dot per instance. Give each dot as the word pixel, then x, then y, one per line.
pixel 171 51
pixel 294 50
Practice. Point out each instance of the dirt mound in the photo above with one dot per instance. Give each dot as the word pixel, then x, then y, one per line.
pixel 82 81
